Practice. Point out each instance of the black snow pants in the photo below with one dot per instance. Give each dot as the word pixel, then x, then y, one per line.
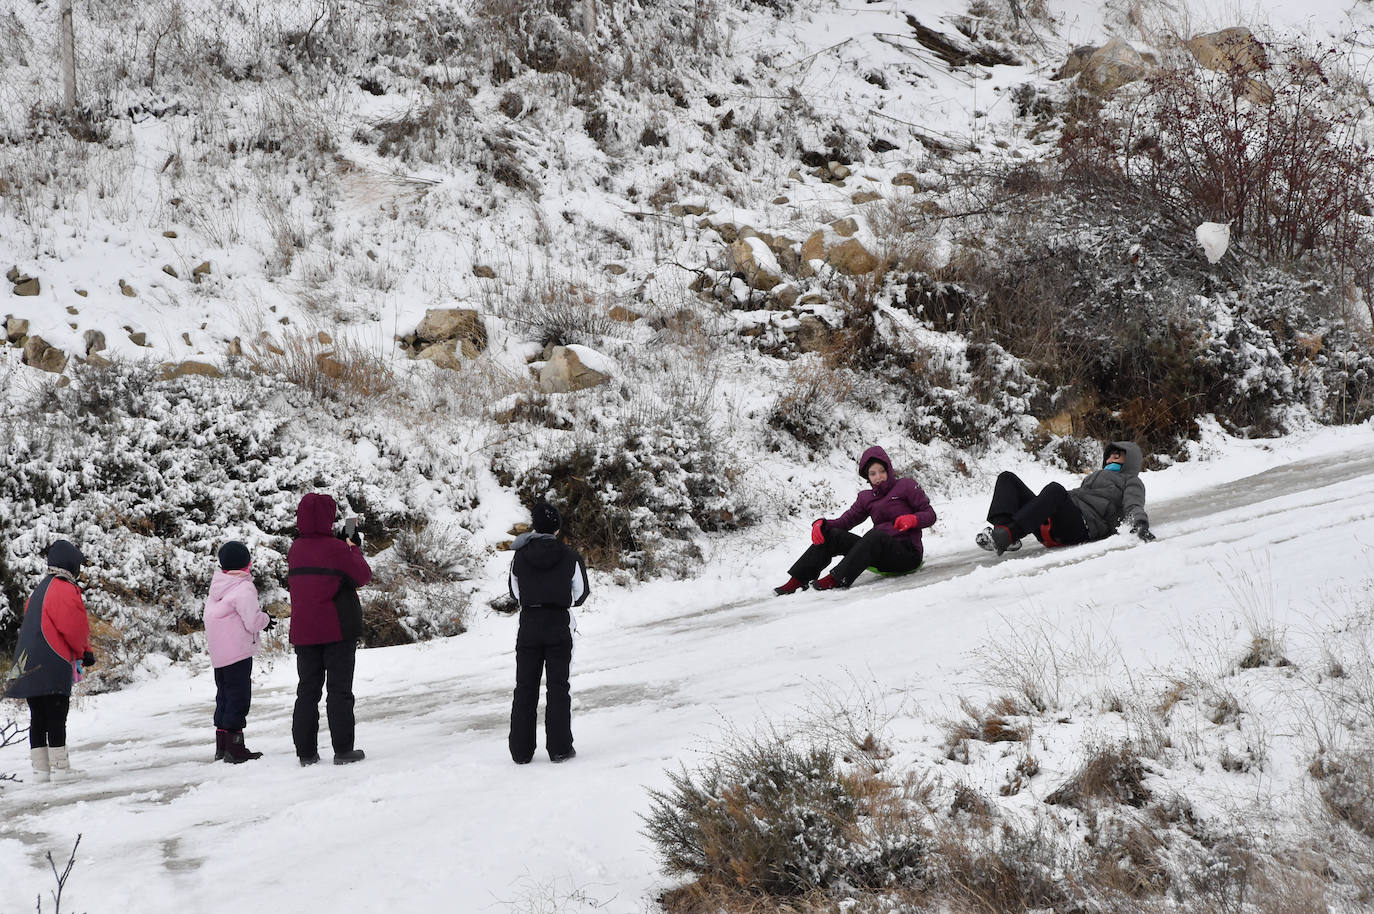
pixel 48 720
pixel 1022 511
pixel 321 666
pixel 874 549
pixel 233 694
pixel 543 646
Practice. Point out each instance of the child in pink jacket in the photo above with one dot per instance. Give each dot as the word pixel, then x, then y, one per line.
pixel 233 620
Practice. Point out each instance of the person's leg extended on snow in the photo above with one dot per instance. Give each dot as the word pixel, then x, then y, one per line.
pixel 832 542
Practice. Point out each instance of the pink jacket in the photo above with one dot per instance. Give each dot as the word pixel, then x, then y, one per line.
pixel 232 618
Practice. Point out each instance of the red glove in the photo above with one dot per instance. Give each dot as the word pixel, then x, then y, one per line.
pixel 818 532
pixel 905 523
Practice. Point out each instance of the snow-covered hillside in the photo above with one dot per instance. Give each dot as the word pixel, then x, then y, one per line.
pixel 675 272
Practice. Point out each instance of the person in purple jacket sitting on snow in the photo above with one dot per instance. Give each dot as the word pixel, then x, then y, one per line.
pixel 899 510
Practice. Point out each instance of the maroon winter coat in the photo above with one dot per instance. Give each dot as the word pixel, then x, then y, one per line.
pixel 887 502
pixel 322 572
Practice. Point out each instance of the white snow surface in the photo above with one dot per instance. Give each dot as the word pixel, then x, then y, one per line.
pixel 1264 532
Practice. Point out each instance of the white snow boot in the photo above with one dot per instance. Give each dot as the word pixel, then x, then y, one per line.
pixel 62 769
pixel 41 770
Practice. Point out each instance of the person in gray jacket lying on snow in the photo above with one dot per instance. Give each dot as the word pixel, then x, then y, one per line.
pixel 1058 517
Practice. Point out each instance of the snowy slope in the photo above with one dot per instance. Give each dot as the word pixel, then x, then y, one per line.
pixel 437 817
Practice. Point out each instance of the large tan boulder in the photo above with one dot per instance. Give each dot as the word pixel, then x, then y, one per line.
pixel 1229 50
pixel 16 328
pixel 846 254
pixel 1107 68
pixel 1236 51
pixel 565 371
pixel 443 324
pixel 752 257
pixel 40 354
pixel 853 259
pixel 443 355
pixel 29 286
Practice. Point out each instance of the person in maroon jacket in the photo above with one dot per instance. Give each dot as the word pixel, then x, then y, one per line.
pixel 899 510
pixel 324 573
pixel 54 646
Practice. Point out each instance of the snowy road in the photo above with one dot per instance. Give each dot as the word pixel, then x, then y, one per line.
pixel 439 817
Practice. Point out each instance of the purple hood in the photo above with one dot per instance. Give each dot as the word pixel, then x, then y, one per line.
pixel 885 503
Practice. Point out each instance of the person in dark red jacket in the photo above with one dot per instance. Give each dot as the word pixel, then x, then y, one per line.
pixel 899 510
pixel 54 646
pixel 324 573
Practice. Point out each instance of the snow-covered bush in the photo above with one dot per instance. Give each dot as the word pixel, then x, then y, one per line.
pixel 635 494
pixel 1104 300
pixel 769 816
pixel 419 588
pixel 149 477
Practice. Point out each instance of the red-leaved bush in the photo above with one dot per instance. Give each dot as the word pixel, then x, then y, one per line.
pixel 1269 147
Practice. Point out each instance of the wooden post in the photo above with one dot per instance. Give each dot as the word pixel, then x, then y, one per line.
pixel 589 18
pixel 68 40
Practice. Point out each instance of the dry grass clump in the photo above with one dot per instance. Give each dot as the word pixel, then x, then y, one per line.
pixel 1004 720
pixel 1345 782
pixel 808 407
pixel 1264 650
pixel 1115 774
pixel 342 371
pixel 558 312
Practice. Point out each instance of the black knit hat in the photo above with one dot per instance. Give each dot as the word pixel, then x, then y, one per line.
pixel 545 517
pixel 62 554
pixel 233 556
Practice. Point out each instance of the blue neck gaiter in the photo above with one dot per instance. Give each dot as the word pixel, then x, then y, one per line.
pixel 1114 467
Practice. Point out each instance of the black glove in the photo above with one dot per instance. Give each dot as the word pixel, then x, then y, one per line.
pixel 1141 528
pixel 87 660
pixel 271 623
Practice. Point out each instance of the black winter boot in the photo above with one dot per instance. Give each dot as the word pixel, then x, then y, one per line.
pixel 220 739
pixel 235 752
pixel 349 757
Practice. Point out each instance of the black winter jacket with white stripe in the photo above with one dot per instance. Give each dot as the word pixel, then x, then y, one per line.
pixel 546 574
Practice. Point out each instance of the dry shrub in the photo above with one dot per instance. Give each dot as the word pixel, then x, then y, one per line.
pixel 1003 720
pixel 1114 774
pixel 343 371
pixel 1264 650
pixel 558 312
pixel 1004 869
pixel 807 409
pixel 1345 781
pixel 768 817
pixel 1274 153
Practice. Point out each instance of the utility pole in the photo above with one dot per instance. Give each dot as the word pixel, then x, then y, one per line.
pixel 68 57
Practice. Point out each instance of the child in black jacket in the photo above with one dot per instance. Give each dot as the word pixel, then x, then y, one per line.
pixel 548 579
